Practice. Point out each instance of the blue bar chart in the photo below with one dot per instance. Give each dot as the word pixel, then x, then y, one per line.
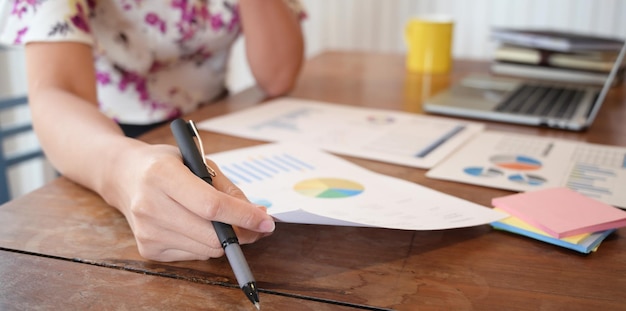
pixel 591 180
pixel 263 167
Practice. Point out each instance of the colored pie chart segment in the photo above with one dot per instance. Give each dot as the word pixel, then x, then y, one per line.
pixel 482 171
pixel 328 188
pixel 527 179
pixel 516 162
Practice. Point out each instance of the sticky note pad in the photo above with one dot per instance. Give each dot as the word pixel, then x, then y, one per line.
pixel 561 212
pixel 522 225
pixel 584 242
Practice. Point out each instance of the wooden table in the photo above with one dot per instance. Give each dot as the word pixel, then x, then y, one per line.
pixel 63 246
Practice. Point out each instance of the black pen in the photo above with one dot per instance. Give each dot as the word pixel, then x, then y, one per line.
pixel 193 158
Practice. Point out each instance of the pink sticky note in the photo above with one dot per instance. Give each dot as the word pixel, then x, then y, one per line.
pixel 561 212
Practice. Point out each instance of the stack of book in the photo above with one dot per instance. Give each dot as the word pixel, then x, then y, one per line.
pixel 559 216
pixel 555 55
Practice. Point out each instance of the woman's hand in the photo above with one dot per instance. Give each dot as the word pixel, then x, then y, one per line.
pixel 170 209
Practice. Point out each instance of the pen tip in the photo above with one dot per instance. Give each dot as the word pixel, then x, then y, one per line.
pixel 257 305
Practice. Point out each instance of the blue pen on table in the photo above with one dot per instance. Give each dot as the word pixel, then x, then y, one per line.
pixel 193 157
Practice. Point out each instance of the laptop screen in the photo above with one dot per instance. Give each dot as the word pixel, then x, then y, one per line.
pixel 607 85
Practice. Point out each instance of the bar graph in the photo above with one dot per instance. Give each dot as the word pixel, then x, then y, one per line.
pixel 289 121
pixel 263 167
pixel 591 180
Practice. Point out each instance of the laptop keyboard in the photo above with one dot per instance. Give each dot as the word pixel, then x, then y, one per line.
pixel 540 100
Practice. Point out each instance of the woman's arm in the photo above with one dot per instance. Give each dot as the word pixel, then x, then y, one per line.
pixel 63 102
pixel 168 208
pixel 274 44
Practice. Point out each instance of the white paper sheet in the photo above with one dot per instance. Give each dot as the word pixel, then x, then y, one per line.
pixel 301 184
pixel 525 163
pixel 384 135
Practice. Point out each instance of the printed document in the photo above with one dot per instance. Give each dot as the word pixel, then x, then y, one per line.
pixel 383 135
pixel 302 184
pixel 525 163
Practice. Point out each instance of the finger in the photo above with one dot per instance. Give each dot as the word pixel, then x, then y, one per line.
pixel 198 251
pixel 247 236
pixel 223 184
pixel 171 215
pixel 174 254
pixel 192 227
pixel 196 228
pixel 170 255
pixel 163 246
pixel 209 203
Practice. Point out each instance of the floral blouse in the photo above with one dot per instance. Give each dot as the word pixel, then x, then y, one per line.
pixel 154 60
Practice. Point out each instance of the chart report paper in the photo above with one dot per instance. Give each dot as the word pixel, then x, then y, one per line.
pixel 300 184
pixel 526 163
pixel 384 135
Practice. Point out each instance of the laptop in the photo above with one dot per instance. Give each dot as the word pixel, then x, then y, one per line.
pixel 522 101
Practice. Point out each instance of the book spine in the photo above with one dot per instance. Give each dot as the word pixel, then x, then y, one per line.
pixel 593 62
pixel 556 44
pixel 546 73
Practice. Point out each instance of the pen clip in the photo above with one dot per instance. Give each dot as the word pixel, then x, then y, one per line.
pixel 198 142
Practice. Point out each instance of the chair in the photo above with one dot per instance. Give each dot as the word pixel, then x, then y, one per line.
pixel 9 160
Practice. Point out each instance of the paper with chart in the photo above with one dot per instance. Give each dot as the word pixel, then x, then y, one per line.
pixel 301 184
pixel 525 163
pixel 384 135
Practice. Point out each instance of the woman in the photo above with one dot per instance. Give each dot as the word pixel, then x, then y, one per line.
pixel 103 71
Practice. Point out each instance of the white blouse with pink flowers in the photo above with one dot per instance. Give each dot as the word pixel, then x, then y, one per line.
pixel 154 60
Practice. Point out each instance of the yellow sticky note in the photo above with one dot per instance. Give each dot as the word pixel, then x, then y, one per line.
pixel 516 222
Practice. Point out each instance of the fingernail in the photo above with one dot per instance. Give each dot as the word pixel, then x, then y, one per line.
pixel 267 226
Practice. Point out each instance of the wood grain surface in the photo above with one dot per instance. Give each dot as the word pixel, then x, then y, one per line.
pixel 473 268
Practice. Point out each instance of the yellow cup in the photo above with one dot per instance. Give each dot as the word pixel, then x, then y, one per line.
pixel 429 41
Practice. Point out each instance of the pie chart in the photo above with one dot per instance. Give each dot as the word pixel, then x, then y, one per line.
pixel 328 188
pixel 482 171
pixel 516 162
pixel 527 179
